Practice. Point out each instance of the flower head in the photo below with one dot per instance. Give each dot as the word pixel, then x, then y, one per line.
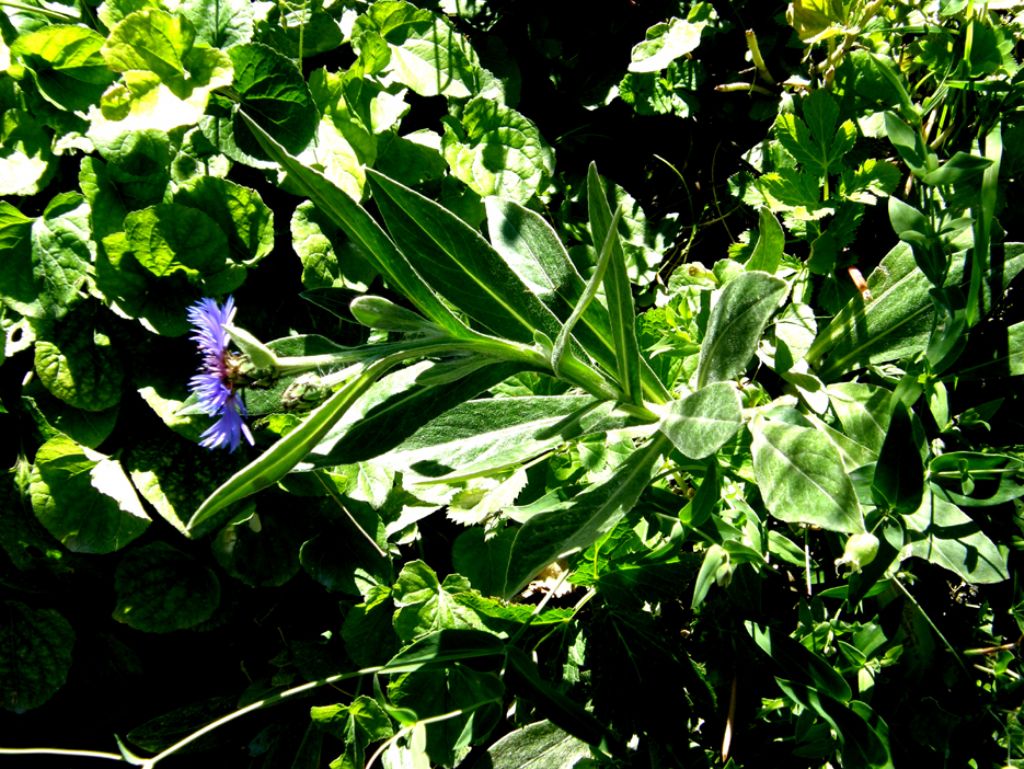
pixel 215 385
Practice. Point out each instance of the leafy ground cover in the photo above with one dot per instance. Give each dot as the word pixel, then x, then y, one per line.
pixel 633 385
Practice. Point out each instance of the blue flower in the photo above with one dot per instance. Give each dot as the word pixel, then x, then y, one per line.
pixel 215 385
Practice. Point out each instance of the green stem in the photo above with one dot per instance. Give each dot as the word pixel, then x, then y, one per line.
pixel 60 752
pixel 41 11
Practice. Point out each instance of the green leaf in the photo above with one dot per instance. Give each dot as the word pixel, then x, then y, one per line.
pixel 220 23
pixel 976 479
pixel 287 452
pixel 795 661
pixel 426 606
pixel 469 699
pixel 618 293
pixel 53 416
pixel 77 363
pixel 329 258
pixel 152 40
pixel 540 745
pixel 445 647
pixel 18 289
pixel 84 498
pixel 961 167
pixel 362 228
pixel 260 550
pixel 172 474
pixel 664 43
pixel 67 64
pixel 463 266
pixel 35 655
pixel 771 240
pixel 671 92
pixel 897 322
pixel 801 477
pixel 26 158
pixel 576 524
pixel 908 143
pixel 943 534
pixel 358 725
pixel 863 411
pixel 170 237
pixel 702 422
pixel 525 680
pixel 421 50
pixel 816 20
pixel 160 589
pixel 737 321
pixel 274 93
pixel 238 211
pixel 495 150
pixel 166 76
pixel 532 249
pixel 137 167
pixel 816 142
pixel 61 252
pixel 492 433
pixel 898 482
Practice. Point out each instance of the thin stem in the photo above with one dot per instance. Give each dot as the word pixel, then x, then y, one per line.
pixel 61 752
pixel 935 629
pixel 330 492
pixel 258 705
pixel 41 11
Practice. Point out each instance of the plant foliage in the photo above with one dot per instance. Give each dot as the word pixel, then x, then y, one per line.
pixel 547 471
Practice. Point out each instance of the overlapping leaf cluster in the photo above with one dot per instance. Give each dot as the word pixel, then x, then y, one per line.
pixel 577 505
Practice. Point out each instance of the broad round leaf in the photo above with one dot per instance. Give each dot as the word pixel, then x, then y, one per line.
pixel 273 91
pixel 84 499
pixel 160 589
pixel 497 151
pixel 77 363
pixel 35 655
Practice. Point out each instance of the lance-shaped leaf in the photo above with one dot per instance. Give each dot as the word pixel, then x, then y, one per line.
pixel 801 477
pixel 737 321
pixel 701 423
pixel 899 473
pixel 460 265
pixel 898 321
pixel 578 523
pixel 621 310
pixel 976 479
pixel 362 228
pixel 279 459
pixel 770 242
pixel 492 433
pixel 532 249
pixel 397 406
